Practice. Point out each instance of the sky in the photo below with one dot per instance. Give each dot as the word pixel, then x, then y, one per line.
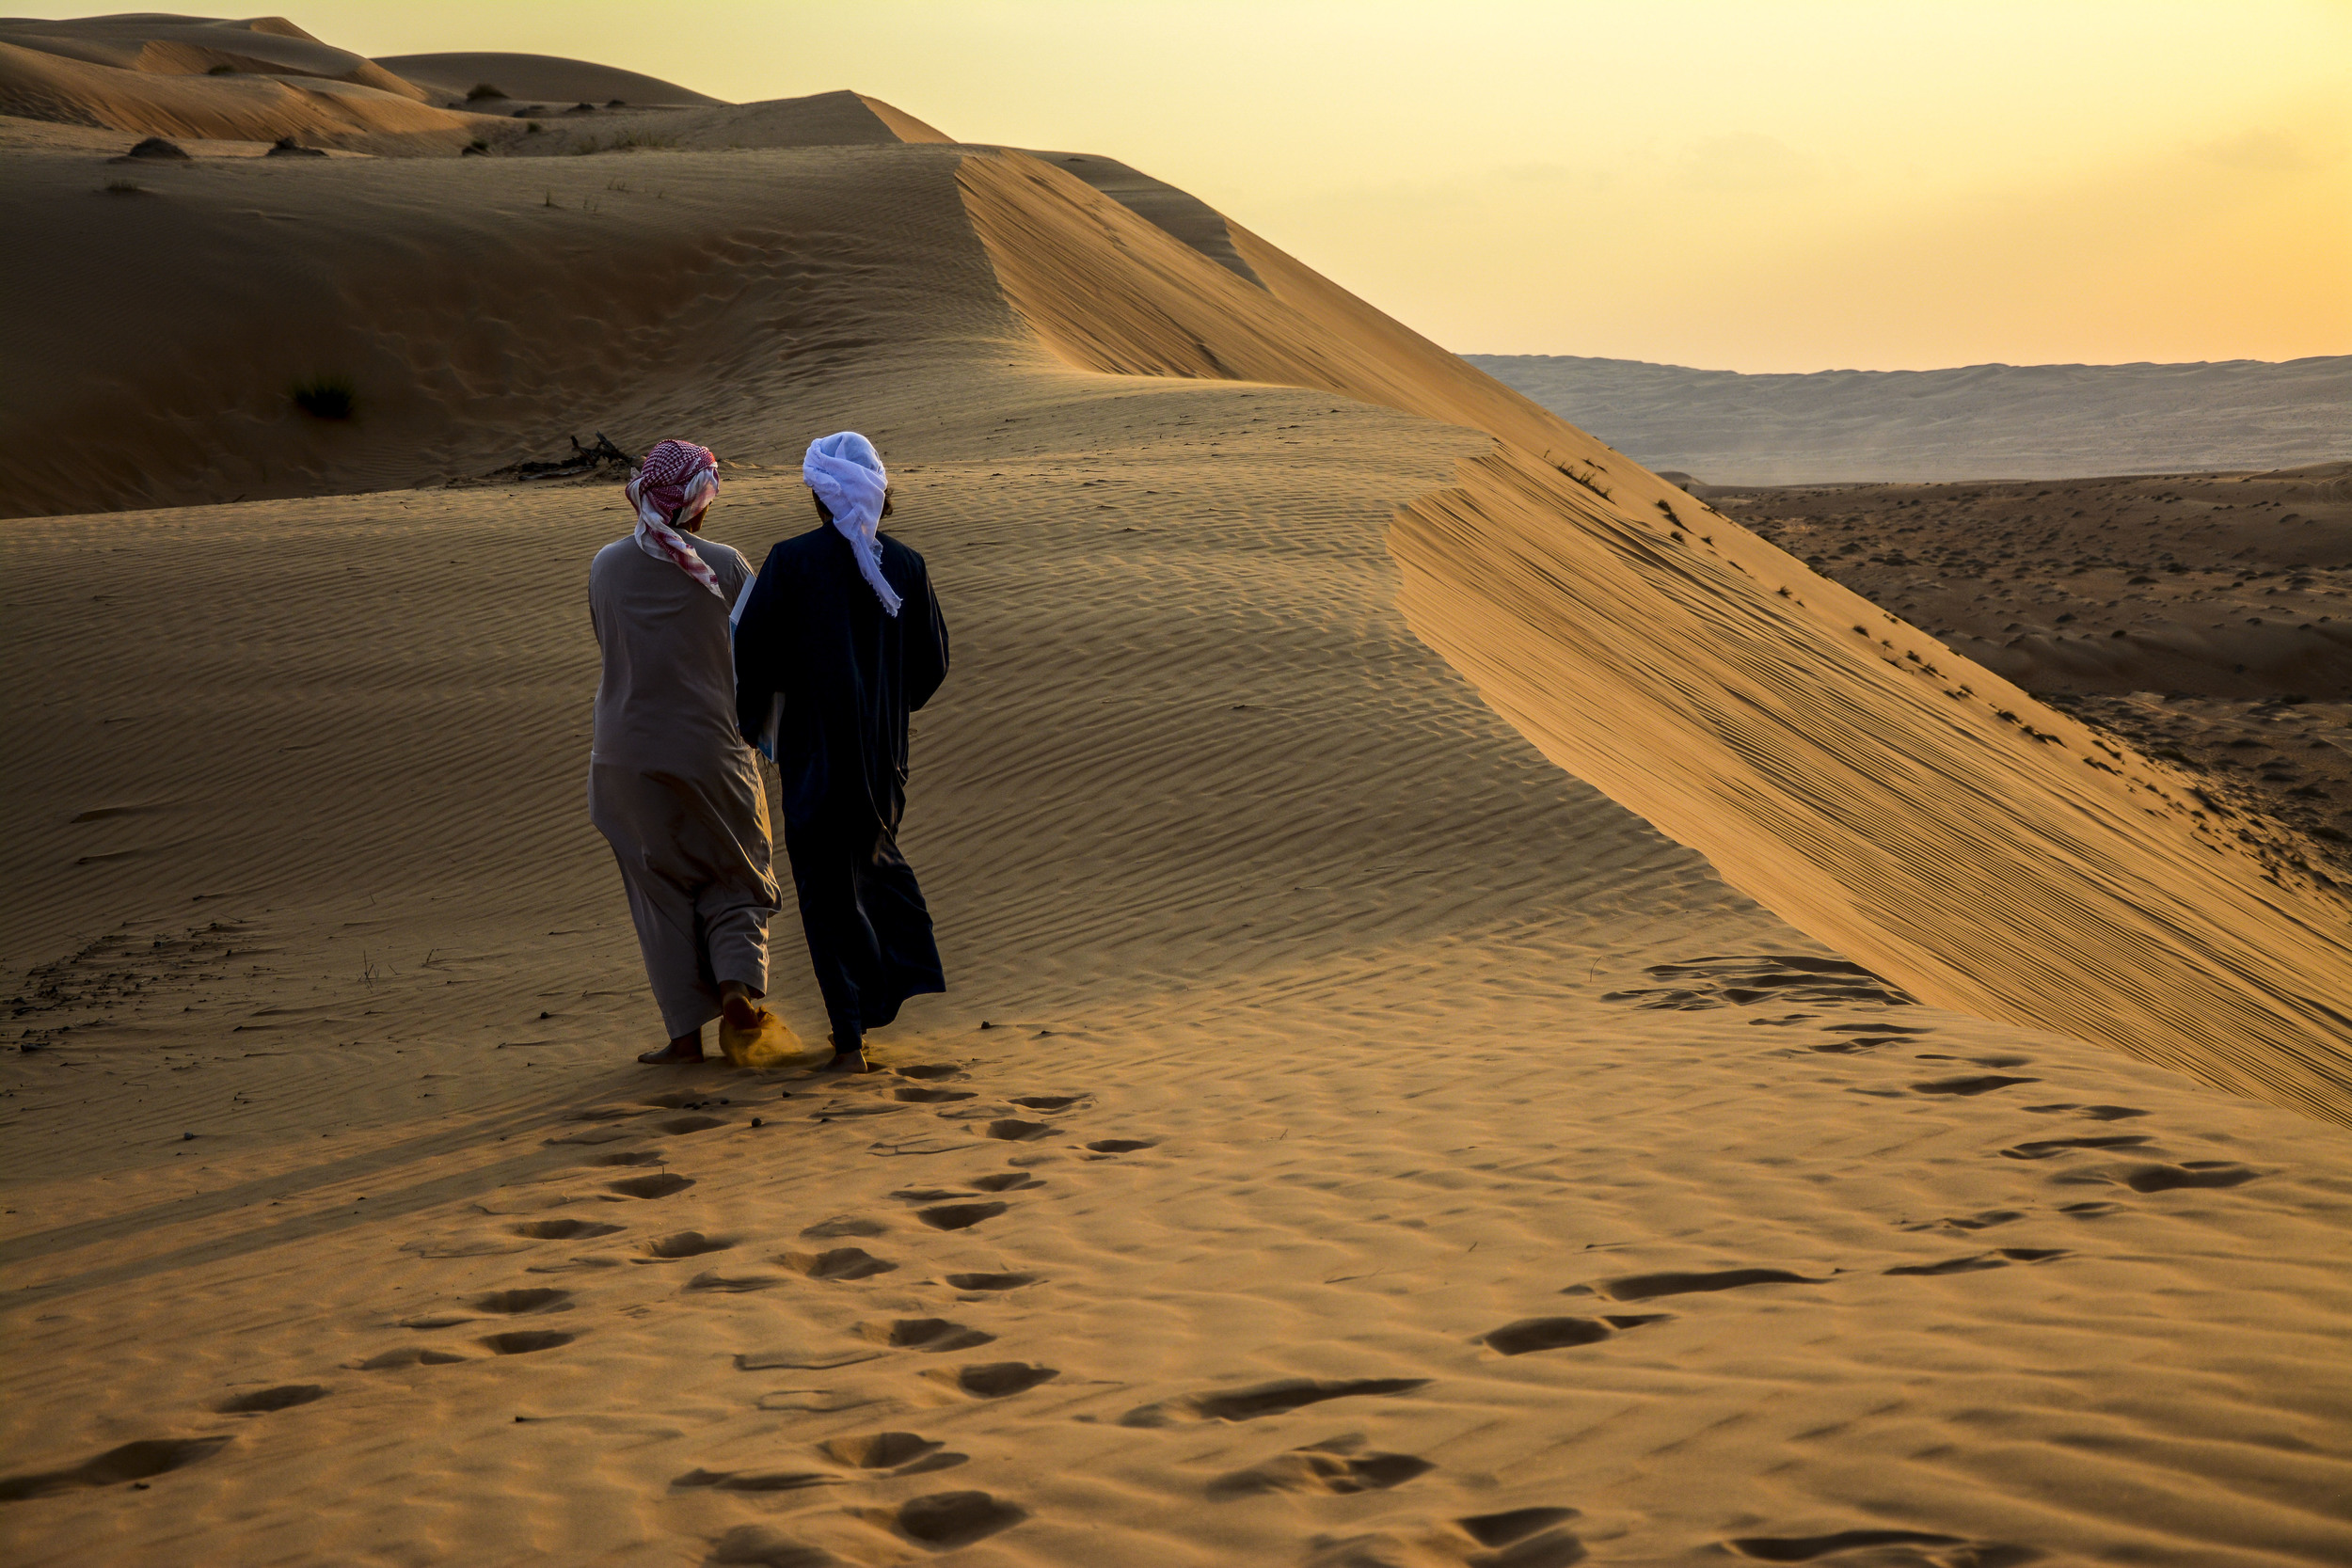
pixel 1740 184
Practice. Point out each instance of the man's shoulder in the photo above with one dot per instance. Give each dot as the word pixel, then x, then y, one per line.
pixel 895 553
pixel 609 559
pixel 718 554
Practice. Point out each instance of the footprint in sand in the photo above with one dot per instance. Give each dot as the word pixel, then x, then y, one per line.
pixel 681 1125
pixel 1783 979
pixel 756 1481
pixel 1048 1101
pixel 525 1341
pixel 1278 1398
pixel 836 1263
pixel 2042 1148
pixel 843 1225
pixel 263 1400
pixel 959 1216
pixel 1013 1130
pixel 563 1230
pixel 685 1244
pixel 1805 1548
pixel 541 1298
pixel 1984 1220
pixel 764 1547
pixel 652 1186
pixel 1008 1182
pixel 2096 1113
pixel 993 1380
pixel 1520 1538
pixel 641 1157
pixel 407 1355
pixel 945 1520
pixel 930 1070
pixel 1337 1467
pixel 1121 1145
pixel 992 1281
pixel 1984 1083
pixel 1977 1261
pixel 913 1096
pixel 132 1462
pixel 733 1284
pixel 1534 1333
pixel 1643 1287
pixel 904 1453
pixel 926 1334
pixel 2189 1173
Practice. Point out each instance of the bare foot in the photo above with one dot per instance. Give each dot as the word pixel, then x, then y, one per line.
pixel 851 1060
pixel 736 1003
pixel 685 1051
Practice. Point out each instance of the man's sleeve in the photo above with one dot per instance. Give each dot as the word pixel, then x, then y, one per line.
pixel 757 682
pixel 925 638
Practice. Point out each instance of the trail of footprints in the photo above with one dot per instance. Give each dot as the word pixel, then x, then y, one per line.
pixel 522 1319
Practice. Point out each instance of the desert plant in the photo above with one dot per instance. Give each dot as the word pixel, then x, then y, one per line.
pixel 484 89
pixel 533 126
pixel 479 145
pixel 222 71
pixel 124 187
pixel 326 397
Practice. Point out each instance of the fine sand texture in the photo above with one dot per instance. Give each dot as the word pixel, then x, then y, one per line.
pixel 1497 1017
pixel 1971 423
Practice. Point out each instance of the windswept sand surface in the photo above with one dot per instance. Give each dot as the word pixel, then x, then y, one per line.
pixel 1353 1137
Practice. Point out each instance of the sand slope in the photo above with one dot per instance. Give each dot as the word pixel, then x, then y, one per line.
pixel 1977 422
pixel 1784 726
pixel 528 77
pixel 1406 1154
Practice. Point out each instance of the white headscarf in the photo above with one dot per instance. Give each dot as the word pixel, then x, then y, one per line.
pixel 847 473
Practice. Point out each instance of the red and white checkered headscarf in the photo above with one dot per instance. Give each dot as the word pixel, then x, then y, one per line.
pixel 676 484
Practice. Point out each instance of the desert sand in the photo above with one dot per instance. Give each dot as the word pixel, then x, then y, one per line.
pixel 1969 422
pixel 1498 1017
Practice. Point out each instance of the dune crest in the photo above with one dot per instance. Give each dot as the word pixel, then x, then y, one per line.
pixel 1869 785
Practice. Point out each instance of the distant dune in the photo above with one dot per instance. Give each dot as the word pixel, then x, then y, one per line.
pixel 522 77
pixel 1977 422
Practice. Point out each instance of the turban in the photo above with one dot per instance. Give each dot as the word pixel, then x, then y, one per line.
pixel 676 484
pixel 847 473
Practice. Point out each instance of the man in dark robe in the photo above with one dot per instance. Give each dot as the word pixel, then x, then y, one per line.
pixel 837 640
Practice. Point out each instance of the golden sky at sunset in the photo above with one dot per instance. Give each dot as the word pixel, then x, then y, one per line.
pixel 1733 183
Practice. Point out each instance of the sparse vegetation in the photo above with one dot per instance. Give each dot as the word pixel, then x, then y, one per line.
pixel 484 89
pixel 125 187
pixel 222 71
pixel 326 397
pixel 533 126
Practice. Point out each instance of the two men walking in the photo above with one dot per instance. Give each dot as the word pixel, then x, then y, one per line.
pixel 817 661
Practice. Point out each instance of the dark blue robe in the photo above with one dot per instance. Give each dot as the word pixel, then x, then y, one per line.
pixel 814 634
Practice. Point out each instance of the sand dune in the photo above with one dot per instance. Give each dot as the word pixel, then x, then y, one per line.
pixel 1375 1124
pixel 1977 422
pixel 528 77
pixel 1732 696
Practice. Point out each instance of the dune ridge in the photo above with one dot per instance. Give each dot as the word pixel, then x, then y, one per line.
pixel 1792 748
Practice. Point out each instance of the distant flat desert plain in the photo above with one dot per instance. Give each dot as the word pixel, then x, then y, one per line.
pixel 1506 1007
